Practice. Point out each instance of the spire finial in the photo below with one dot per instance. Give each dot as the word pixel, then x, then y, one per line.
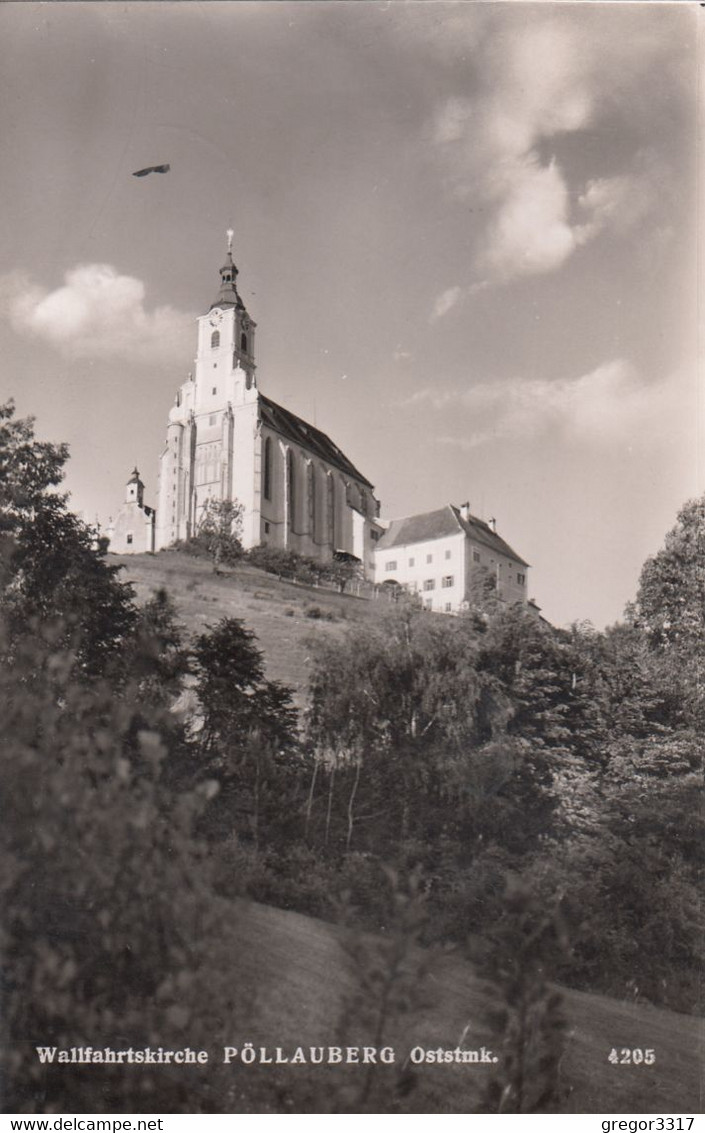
pixel 230 235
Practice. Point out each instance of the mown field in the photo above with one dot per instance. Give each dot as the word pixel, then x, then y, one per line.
pixel 300 971
pixel 288 976
pixel 286 617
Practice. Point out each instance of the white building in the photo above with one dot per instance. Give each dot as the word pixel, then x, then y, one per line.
pixel 132 531
pixel 440 553
pixel 227 441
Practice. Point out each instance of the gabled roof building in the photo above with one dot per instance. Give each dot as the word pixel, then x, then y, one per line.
pixel 441 555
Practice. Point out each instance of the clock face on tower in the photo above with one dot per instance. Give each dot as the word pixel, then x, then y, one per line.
pixel 215 318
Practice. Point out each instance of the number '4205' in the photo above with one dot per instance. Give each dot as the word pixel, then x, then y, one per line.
pixel 632 1056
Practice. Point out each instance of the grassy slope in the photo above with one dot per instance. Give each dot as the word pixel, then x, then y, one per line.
pixel 275 610
pixel 296 962
pixel 299 969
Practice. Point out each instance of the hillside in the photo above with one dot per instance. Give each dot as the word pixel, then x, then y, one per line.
pixel 299 969
pixel 285 616
pixel 296 964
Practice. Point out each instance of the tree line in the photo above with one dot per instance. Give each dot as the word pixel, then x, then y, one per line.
pixel 526 782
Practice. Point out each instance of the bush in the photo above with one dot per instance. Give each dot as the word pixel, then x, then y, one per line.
pixel 317 613
pixel 300 568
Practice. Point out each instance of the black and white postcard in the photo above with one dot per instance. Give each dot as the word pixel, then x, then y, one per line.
pixel 351 558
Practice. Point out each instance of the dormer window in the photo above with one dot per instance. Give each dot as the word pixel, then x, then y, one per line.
pixel 215 339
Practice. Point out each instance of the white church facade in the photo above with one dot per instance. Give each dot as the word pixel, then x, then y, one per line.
pixel 227 441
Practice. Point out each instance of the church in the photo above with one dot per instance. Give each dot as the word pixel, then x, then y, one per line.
pixel 227 441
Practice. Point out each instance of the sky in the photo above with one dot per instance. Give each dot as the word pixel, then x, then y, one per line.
pixel 466 231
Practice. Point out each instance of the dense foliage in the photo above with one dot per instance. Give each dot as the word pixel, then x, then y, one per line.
pixel 486 781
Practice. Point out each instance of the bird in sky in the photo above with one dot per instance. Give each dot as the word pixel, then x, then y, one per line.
pixel 152 169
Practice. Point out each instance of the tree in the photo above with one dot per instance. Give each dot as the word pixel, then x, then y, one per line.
pixel 28 468
pixel 527 1012
pixel 410 729
pixel 111 927
pixel 390 983
pixel 670 610
pixel 249 727
pixel 53 565
pixel 111 930
pixel 235 697
pixel 671 597
pixel 156 657
pixel 220 531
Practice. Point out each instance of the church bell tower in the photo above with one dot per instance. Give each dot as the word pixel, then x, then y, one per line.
pixel 227 312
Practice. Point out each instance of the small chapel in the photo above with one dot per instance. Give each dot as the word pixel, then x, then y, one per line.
pixel 132 530
pixel 227 441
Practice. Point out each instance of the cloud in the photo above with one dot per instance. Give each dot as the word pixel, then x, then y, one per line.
pixel 609 405
pixel 535 81
pixel 97 313
pixel 445 302
pixel 619 203
pixel 438 399
pixel 465 444
pixel 531 233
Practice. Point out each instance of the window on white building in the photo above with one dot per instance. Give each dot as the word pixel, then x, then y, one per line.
pixel 448 607
pixel 129 537
pixel 391 565
pixel 521 579
pixel 429 558
pixel 448 554
pixel 476 556
pixel 411 562
pixel 449 580
pixel 429 584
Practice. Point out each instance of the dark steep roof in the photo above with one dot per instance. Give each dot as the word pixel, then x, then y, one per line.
pixel 481 532
pixel 419 528
pixel 295 429
pixel 228 296
pixel 441 523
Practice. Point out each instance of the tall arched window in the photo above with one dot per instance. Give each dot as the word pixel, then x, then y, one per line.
pixel 215 339
pixel 331 510
pixel 291 488
pixel 311 478
pixel 268 468
pixel 243 342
